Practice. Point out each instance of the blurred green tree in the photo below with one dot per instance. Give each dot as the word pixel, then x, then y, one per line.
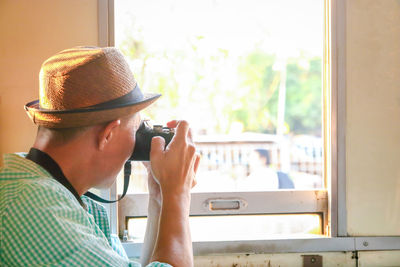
pixel 217 89
pixel 303 107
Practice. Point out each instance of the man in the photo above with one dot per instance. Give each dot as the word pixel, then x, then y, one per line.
pixel 263 176
pixel 88 114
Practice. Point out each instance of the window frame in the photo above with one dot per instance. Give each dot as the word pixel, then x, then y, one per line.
pixel 334 114
pixel 251 203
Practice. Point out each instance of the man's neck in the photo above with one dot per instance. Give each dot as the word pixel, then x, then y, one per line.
pixel 73 163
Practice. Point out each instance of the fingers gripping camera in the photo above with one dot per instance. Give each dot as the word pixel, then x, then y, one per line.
pixel 144 134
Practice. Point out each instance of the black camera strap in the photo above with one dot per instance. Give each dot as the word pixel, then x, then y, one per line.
pixel 127 175
pixel 45 161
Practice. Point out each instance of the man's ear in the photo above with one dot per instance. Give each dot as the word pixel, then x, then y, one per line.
pixel 106 133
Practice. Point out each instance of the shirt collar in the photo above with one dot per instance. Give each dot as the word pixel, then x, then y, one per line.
pixel 46 162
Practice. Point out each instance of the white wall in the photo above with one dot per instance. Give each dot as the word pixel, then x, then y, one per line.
pixel 373 117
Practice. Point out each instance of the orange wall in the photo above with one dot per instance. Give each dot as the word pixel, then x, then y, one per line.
pixel 30 32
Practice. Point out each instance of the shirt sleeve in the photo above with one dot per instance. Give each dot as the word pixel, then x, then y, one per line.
pixel 46 226
pixel 158 264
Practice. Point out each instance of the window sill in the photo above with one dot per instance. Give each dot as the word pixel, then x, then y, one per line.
pixel 292 245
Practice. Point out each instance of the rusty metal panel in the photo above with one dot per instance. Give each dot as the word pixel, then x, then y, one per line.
pixel 330 259
pixel 312 260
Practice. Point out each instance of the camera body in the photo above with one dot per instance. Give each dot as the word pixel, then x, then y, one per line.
pixel 144 134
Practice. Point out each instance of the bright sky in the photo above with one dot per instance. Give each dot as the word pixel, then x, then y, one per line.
pixel 284 27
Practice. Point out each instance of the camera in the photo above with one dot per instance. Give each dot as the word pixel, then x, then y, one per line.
pixel 144 134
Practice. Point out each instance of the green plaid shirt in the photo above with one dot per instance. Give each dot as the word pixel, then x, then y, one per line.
pixel 43 224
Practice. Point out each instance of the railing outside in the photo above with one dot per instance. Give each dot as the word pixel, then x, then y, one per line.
pixel 300 157
pixel 230 156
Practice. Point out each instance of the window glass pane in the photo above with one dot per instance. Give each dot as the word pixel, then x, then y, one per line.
pixel 241 227
pixel 246 75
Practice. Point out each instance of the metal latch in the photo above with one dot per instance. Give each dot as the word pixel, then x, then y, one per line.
pixel 312 260
pixel 225 204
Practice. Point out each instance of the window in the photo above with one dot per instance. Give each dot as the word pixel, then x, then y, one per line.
pixel 248 75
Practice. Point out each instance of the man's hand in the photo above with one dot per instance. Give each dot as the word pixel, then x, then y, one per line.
pixel 174 169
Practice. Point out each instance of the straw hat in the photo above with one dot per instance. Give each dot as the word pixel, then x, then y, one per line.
pixel 85 86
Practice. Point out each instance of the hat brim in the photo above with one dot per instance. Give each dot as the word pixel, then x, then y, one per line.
pixel 85 116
